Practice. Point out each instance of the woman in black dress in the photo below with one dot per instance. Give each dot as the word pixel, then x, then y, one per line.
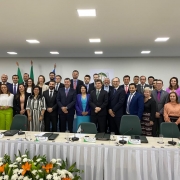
pixel 148 117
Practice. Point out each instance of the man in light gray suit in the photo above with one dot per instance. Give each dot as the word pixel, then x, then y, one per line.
pixel 142 85
pixel 161 98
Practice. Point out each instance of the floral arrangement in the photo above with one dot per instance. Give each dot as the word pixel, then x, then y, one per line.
pixel 38 168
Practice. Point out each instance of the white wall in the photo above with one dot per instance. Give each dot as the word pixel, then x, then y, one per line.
pixel 162 68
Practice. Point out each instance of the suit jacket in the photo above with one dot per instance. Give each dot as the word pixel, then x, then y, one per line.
pixel 60 86
pixel 51 102
pixel 122 86
pixel 101 102
pixel 110 89
pixel 7 83
pixel 11 88
pixel 78 106
pixel 163 100
pixel 79 83
pixel 116 101
pixel 17 104
pixel 91 88
pixel 139 88
pixel 136 106
pixel 68 101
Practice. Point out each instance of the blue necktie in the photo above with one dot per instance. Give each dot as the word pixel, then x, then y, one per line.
pixel 14 91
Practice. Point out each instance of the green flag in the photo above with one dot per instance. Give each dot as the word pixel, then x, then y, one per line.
pixel 20 76
pixel 31 73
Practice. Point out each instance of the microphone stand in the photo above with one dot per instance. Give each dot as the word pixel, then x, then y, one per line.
pixel 75 138
pixel 124 141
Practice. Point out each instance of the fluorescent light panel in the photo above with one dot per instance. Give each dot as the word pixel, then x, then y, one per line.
pixel 54 52
pixel 32 41
pixel 98 52
pixel 86 12
pixel 162 39
pixel 12 53
pixel 145 52
pixel 94 40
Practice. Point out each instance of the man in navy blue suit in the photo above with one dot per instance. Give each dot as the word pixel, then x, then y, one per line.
pixel 66 100
pixel 13 88
pixel 134 102
pixel 117 98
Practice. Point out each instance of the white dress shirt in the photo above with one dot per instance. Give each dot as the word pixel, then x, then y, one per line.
pixel 6 100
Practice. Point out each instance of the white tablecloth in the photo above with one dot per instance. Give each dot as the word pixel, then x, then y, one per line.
pixel 104 160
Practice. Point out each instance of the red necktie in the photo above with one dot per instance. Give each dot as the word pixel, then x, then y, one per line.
pixel 126 89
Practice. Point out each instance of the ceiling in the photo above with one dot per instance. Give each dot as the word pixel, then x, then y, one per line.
pixel 125 27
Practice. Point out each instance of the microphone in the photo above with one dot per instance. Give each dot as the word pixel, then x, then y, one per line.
pixel 172 142
pixel 75 138
pixel 124 141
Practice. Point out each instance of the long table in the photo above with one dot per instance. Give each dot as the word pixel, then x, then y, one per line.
pixel 105 160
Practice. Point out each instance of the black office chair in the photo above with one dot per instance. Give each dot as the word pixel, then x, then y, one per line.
pixel 169 130
pixel 130 125
pixel 19 122
pixel 88 128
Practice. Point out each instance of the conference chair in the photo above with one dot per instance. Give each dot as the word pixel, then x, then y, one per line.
pixel 88 128
pixel 169 130
pixel 19 122
pixel 130 125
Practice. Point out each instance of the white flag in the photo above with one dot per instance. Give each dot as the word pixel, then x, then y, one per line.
pixel 79 129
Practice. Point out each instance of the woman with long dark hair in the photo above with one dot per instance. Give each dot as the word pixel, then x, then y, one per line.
pixel 20 101
pixel 172 109
pixel 36 107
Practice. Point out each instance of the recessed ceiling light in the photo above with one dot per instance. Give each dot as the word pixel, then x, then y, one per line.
pixel 98 52
pixel 54 52
pixel 12 53
pixel 162 39
pixel 32 41
pixel 94 40
pixel 145 52
pixel 86 12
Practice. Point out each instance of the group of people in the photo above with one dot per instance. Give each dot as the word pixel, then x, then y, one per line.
pixel 46 103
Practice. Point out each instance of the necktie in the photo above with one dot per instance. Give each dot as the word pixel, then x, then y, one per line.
pixel 128 103
pixel 51 94
pixel 158 95
pixel 142 88
pixel 115 91
pixel 74 84
pixel 66 91
pixel 14 90
pixel 126 89
pixel 97 94
pixel 57 87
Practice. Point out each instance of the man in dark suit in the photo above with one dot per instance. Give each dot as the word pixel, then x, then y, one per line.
pixel 92 85
pixel 142 85
pixel 161 98
pixel 98 101
pixel 87 79
pixel 125 86
pixel 58 84
pixel 75 82
pixel 106 85
pixel 51 77
pixel 4 79
pixel 150 82
pixel 25 78
pixel 136 80
pixel 13 88
pixel 51 113
pixel 116 105
pixel 134 102
pixel 66 100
